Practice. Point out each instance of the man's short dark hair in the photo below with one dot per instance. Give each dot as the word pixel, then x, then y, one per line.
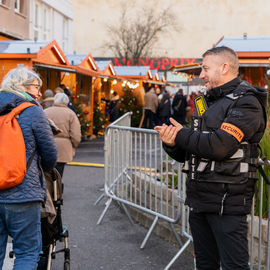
pixel 180 91
pixel 228 53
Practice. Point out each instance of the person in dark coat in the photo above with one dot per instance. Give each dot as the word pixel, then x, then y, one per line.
pixel 220 152
pixel 20 205
pixel 164 108
pixel 113 110
pixel 179 106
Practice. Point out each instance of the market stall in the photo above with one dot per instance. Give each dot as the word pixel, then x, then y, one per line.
pixel 46 58
pixel 253 53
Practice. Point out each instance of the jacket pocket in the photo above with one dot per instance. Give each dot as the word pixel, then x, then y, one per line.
pixel 229 167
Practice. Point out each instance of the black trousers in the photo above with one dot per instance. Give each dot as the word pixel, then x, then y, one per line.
pixel 149 119
pixel 220 239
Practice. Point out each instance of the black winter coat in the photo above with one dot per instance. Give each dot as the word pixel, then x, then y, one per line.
pixel 164 108
pixel 223 191
pixel 181 110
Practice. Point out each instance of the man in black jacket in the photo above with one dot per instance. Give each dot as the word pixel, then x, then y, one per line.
pixel 221 156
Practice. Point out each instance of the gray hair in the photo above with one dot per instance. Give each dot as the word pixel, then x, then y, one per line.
pixel 48 93
pixel 61 98
pixel 18 79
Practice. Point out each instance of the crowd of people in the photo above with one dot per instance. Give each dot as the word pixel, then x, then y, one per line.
pixel 159 107
pixel 219 150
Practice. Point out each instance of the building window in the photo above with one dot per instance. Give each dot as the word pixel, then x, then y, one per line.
pixel 46 27
pixel 36 15
pixel 65 34
pixel 36 22
pixel 4 3
pixel 19 6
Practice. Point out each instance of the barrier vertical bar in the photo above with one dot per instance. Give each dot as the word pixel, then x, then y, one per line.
pixel 260 224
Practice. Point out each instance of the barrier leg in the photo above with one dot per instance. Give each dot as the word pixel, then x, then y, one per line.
pixel 105 210
pixel 177 255
pixel 149 232
pixel 99 198
pixel 127 213
pixel 176 235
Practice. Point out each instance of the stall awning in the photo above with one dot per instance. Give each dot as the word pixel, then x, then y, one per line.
pixel 57 67
pixel 196 67
pixel 155 82
pixel 86 72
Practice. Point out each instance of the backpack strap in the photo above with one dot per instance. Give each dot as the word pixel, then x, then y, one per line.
pixel 30 160
pixel 15 112
pixel 19 109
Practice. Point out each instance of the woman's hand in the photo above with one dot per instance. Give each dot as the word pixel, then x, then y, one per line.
pixel 168 133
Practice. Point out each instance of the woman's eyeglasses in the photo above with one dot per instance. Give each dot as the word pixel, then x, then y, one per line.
pixel 35 85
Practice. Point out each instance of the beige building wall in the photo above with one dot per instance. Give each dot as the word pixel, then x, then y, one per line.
pixel 14 18
pixel 201 23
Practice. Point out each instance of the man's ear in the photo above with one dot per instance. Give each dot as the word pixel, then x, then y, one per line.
pixel 225 69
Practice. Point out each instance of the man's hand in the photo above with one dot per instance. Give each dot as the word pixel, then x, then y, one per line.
pixel 168 133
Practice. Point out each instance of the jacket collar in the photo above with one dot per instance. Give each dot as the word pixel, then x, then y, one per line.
pixel 223 90
pixel 60 105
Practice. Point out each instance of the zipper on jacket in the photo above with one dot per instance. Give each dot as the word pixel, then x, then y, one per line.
pixel 222 204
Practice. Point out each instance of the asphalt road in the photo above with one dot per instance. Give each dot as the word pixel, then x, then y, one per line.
pixel 113 245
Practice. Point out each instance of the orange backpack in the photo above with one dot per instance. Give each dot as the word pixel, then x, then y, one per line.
pixel 12 149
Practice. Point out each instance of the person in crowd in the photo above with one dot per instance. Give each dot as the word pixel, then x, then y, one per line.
pixel 48 99
pixel 179 106
pixel 150 108
pixel 70 105
pixel 164 108
pixel 58 90
pixel 191 103
pixel 112 109
pixel 20 205
pixel 220 153
pixel 68 93
pixel 70 136
pixel 159 93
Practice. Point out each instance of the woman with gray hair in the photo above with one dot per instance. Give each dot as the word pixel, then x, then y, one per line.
pixel 20 205
pixel 67 121
pixel 24 82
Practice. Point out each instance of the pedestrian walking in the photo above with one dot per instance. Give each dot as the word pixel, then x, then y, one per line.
pixel 20 205
pixel 150 108
pixel 70 136
pixel 112 108
pixel 220 154
pixel 179 106
pixel 164 108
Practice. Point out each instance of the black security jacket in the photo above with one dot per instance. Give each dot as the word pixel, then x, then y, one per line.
pixel 220 180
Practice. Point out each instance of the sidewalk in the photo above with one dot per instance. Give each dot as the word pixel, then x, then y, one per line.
pixel 113 245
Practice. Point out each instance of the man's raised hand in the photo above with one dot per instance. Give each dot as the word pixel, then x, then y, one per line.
pixel 168 133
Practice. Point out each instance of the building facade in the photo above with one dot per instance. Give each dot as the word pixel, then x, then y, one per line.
pixel 201 23
pixel 14 19
pixel 51 20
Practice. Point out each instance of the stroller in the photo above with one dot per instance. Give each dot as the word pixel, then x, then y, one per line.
pixel 52 228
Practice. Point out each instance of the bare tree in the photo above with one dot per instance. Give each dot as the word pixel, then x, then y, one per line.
pixel 135 36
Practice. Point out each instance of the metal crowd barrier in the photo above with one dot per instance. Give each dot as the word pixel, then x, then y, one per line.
pixel 140 174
